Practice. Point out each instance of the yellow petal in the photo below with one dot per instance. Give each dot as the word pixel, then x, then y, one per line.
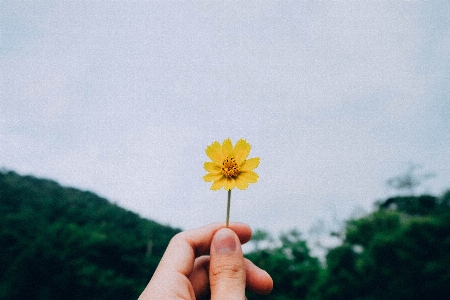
pixel 229 184
pixel 249 164
pixel 249 176
pixel 218 184
pixel 214 152
pixel 241 151
pixel 241 183
pixel 211 166
pixel 212 176
pixel 227 148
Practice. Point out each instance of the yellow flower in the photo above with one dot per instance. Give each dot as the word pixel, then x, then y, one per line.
pixel 230 167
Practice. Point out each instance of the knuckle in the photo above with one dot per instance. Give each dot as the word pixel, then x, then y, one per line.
pixel 178 238
pixel 231 271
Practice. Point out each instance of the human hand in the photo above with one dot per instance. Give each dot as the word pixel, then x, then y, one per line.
pixel 186 271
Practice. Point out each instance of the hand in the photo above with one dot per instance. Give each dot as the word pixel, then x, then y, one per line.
pixel 187 272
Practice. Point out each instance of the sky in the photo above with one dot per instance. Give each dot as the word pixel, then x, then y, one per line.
pixel 121 98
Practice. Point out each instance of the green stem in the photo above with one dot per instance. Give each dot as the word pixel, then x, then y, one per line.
pixel 228 209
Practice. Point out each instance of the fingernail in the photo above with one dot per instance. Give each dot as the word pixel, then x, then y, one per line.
pixel 224 241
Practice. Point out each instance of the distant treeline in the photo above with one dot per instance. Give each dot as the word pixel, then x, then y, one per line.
pixel 399 252
pixel 63 243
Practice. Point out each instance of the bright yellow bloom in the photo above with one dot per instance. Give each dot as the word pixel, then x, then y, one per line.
pixel 230 167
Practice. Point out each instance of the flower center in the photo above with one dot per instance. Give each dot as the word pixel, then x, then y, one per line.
pixel 230 167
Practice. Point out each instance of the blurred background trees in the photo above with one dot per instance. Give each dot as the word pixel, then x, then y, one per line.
pixel 63 243
pixel 400 251
pixel 289 259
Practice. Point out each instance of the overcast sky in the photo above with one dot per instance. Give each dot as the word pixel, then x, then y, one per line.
pixel 122 97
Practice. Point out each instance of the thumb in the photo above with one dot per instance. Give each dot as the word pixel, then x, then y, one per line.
pixel 226 269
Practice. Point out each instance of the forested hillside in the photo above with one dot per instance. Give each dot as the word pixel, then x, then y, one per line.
pixel 63 243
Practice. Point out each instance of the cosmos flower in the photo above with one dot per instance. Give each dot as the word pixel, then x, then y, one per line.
pixel 229 166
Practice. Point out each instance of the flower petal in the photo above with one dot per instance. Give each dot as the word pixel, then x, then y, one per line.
pixel 241 151
pixel 218 184
pixel 249 176
pixel 211 166
pixel 230 183
pixel 213 176
pixel 214 152
pixel 249 164
pixel 241 183
pixel 227 148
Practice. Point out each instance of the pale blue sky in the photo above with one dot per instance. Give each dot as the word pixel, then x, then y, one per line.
pixel 122 97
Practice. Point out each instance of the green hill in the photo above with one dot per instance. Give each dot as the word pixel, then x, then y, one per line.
pixel 63 243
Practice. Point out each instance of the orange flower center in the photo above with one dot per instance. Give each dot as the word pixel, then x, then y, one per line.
pixel 230 167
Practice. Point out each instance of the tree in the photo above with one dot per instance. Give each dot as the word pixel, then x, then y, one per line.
pixel 292 268
pixel 398 252
pixel 409 181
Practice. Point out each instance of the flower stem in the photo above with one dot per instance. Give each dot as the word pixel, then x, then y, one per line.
pixel 228 209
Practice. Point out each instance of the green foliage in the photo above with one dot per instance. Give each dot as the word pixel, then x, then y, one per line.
pixel 401 251
pixel 63 243
pixel 292 268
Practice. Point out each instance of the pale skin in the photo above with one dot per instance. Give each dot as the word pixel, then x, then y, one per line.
pixel 207 263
